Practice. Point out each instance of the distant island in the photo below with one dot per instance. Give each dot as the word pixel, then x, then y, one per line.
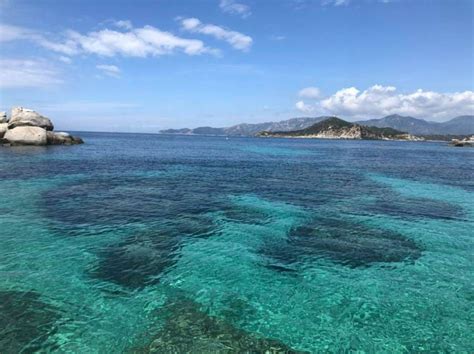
pixel 336 128
pixel 456 128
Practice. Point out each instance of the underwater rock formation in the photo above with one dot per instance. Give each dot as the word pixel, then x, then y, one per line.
pixel 407 207
pixel 188 329
pixel 137 261
pixel 341 241
pixel 25 322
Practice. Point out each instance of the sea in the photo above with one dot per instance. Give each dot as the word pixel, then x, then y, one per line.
pixel 137 243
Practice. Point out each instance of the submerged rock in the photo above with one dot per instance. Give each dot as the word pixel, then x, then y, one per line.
pixel 188 329
pixel 416 208
pixel 27 117
pixel 138 261
pixel 344 242
pixel 26 322
pixel 26 136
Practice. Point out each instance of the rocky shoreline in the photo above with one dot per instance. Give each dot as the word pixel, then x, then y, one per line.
pixel 27 127
pixel 466 142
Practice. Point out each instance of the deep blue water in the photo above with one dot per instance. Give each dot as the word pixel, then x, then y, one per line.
pixel 137 243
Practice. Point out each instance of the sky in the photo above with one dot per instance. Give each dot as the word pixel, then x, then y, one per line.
pixel 147 65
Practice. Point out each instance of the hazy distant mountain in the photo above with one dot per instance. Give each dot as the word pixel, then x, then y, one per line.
pixel 178 131
pixel 463 125
pixel 245 129
pixel 459 125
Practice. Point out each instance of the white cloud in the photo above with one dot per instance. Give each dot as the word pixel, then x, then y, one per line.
pixel 336 2
pixel 347 2
pixel 303 107
pixel 235 8
pixel 378 101
pixel 125 24
pixel 12 33
pixel 64 59
pixel 139 42
pixel 110 70
pixel 235 39
pixel 310 92
pixel 136 42
pixel 68 47
pixel 16 73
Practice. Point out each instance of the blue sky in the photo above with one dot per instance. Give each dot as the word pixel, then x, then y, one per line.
pixel 148 65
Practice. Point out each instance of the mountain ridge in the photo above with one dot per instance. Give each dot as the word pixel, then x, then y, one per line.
pixel 461 125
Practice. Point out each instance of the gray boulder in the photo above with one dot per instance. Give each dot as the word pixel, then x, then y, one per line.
pixel 3 117
pixel 61 138
pixel 22 117
pixel 26 136
pixel 3 129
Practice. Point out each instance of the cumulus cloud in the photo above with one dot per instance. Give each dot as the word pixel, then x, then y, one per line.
pixel 19 73
pixel 379 101
pixel 133 42
pixel 110 70
pixel 305 108
pixel 235 39
pixel 384 100
pixel 235 8
pixel 310 92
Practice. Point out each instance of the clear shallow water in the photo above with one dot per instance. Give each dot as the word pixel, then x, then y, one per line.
pixel 137 243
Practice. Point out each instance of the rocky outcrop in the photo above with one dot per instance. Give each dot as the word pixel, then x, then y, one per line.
pixel 336 128
pixel 466 142
pixel 26 136
pixel 3 117
pixel 62 138
pixel 26 117
pixel 27 127
pixel 3 129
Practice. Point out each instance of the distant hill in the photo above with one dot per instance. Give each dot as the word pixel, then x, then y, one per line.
pixel 463 125
pixel 245 129
pixel 336 128
pixel 459 125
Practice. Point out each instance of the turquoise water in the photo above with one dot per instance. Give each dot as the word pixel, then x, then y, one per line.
pixel 139 243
